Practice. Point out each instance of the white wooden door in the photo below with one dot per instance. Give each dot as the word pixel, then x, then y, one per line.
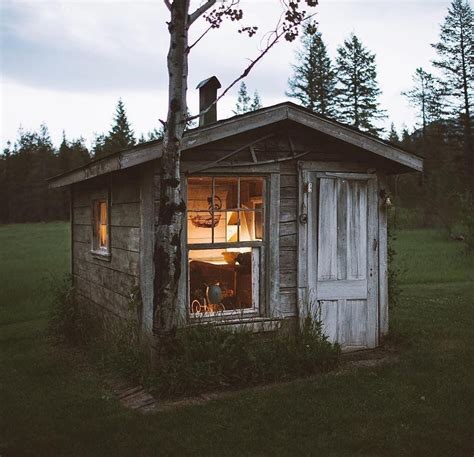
pixel 342 242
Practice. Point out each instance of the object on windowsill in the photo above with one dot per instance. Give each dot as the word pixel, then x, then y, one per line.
pixel 214 294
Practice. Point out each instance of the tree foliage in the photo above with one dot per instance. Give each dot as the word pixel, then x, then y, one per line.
pixel 313 82
pixel 120 136
pixel 455 56
pixel 425 96
pixel 455 60
pixel 25 167
pixel 357 88
pixel 245 103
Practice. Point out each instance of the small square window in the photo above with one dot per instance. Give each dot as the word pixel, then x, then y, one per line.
pixel 100 228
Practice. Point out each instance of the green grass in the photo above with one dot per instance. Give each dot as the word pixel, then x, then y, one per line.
pixel 426 256
pixel 51 404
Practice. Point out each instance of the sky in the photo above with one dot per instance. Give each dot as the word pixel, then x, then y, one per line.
pixel 66 63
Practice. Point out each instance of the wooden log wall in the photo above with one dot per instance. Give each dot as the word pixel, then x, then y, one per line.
pixel 107 283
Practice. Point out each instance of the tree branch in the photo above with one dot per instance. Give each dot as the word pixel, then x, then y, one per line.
pixel 200 11
pixel 233 3
pixel 203 34
pixel 168 4
pixel 270 43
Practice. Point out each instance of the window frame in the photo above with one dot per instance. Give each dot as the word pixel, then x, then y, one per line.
pixel 96 250
pixel 245 313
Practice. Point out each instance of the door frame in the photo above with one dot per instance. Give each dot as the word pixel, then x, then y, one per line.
pixel 308 219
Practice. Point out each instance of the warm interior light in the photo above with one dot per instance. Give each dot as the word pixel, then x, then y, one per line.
pixel 103 236
pixel 102 222
pixel 228 270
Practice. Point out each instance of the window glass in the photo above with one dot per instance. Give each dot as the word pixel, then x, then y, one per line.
pixel 225 210
pixel 103 225
pixel 100 239
pixel 222 280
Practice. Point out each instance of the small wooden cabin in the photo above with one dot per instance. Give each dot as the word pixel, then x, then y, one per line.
pixel 286 215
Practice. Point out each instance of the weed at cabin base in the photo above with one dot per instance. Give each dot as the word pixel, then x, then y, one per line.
pixel 205 358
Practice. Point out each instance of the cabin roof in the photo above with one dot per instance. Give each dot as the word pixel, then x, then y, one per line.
pixel 225 128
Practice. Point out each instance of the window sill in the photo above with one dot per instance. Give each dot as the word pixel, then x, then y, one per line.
pixel 252 324
pixel 101 255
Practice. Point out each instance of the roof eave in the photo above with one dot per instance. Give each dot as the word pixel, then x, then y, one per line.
pixel 351 136
pixel 236 125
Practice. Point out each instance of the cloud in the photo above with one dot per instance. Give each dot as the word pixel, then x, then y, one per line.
pixel 67 62
pixel 83 46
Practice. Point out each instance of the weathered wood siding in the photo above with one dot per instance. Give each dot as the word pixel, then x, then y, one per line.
pixel 107 283
pixel 288 238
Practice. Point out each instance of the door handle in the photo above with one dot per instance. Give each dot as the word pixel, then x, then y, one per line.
pixel 376 244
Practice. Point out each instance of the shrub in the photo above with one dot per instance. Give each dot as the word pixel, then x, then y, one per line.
pixel 393 271
pixel 68 323
pixel 208 358
pixel 468 224
pixel 203 357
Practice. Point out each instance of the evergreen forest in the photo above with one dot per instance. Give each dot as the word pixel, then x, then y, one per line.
pixel 343 87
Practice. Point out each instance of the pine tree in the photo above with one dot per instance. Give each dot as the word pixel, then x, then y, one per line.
pixel 156 134
pixel 455 51
pixel 393 135
pixel 120 137
pixel 425 96
pixel 243 100
pixel 72 154
pixel 256 102
pixel 313 82
pixel 357 88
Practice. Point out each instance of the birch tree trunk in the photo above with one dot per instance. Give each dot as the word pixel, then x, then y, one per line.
pixel 171 210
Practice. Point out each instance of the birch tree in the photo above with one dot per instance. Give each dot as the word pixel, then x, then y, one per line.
pixel 171 210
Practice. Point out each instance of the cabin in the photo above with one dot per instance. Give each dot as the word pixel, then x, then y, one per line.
pixel 286 217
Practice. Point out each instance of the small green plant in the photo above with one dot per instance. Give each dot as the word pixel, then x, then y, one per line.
pixel 468 224
pixel 393 271
pixel 208 357
pixel 68 323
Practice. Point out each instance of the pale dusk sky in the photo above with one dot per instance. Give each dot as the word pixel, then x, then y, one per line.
pixel 67 62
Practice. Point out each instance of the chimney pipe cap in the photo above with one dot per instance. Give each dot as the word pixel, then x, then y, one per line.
pixel 212 81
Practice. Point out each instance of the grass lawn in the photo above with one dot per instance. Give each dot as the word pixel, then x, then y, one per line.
pixel 51 404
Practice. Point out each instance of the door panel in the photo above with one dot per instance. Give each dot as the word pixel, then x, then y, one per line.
pixel 342 255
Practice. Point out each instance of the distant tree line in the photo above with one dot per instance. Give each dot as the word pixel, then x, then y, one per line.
pixel 26 165
pixel 347 90
pixel 344 89
pixel 443 101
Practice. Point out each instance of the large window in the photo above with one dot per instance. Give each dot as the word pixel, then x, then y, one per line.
pixel 225 226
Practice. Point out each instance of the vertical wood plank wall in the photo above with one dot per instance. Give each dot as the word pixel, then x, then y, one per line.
pixel 147 244
pixel 288 238
pixel 107 284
